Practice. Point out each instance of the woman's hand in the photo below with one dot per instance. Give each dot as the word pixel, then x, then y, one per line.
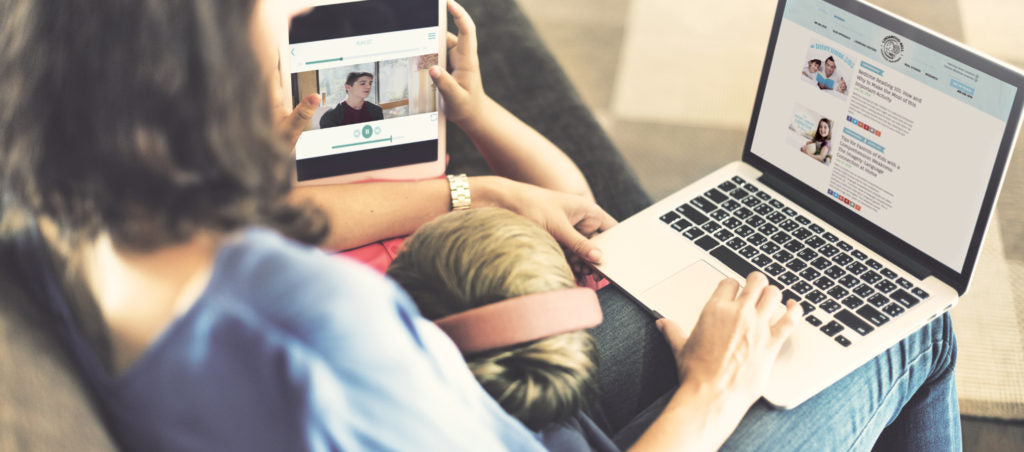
pixel 292 124
pixel 462 90
pixel 571 219
pixel 736 340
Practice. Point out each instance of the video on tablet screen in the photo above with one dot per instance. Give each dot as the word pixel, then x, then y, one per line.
pixel 368 62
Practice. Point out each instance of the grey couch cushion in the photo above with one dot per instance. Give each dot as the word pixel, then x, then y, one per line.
pixel 43 406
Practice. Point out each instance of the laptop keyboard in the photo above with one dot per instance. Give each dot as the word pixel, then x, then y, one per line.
pixel 840 289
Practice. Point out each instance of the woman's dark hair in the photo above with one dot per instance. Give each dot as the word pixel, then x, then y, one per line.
pixel 353 76
pixel 817 130
pixel 148 119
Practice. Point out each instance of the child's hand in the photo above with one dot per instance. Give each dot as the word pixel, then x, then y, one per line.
pixel 462 90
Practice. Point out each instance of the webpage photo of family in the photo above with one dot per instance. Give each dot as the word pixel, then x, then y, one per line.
pixel 826 68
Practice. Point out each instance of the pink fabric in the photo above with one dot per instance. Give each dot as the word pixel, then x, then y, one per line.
pixel 522 319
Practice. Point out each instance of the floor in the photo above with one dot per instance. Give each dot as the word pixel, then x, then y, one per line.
pixel 607 48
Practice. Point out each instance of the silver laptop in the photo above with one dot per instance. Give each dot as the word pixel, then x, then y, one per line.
pixel 872 164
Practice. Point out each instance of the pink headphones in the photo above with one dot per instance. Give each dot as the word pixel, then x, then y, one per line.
pixel 522 319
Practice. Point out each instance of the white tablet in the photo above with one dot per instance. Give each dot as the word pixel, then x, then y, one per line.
pixel 379 117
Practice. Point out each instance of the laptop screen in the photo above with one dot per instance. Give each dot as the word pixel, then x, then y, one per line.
pixel 894 131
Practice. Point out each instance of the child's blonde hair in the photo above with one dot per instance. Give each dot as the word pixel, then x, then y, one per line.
pixel 471 258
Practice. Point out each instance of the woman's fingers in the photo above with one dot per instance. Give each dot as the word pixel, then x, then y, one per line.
pixel 756 282
pixel 446 83
pixel 673 333
pixel 296 121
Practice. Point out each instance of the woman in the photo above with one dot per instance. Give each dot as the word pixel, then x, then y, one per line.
pixel 820 146
pixel 354 109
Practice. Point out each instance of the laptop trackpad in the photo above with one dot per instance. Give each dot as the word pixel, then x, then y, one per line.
pixel 682 296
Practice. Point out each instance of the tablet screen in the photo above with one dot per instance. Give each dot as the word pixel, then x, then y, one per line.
pixel 367 61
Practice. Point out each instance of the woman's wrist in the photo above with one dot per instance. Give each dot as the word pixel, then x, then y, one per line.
pixel 490 191
pixel 474 121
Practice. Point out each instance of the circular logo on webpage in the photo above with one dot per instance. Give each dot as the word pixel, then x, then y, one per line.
pixel 892 49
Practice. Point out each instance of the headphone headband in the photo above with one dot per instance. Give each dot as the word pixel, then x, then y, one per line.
pixel 522 319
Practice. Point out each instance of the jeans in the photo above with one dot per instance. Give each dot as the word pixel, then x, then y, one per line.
pixel 904 399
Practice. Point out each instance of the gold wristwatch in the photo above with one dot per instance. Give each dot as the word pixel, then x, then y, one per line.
pixel 459 185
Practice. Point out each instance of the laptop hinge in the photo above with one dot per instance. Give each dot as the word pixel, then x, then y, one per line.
pixel 872 242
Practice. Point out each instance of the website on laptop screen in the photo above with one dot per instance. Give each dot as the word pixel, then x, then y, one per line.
pixel 896 132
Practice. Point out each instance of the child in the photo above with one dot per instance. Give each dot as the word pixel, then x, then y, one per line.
pixel 820 146
pixel 468 259
pixel 812 69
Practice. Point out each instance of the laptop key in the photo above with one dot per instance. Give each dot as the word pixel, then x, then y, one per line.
pixel 872 315
pixel 750 201
pixel 748 252
pixel 888 273
pixel 681 225
pixel 764 196
pixel 864 290
pixel 704 204
pixel 720 215
pixel 761 260
pixel 711 227
pixel 858 254
pixel 781 238
pixel 739 193
pixel 767 229
pixel 802 233
pixel 738 180
pixel 904 298
pixel 723 235
pixel 853 302
pixel 730 205
pixel 835 272
pixel 807 254
pixel 824 283
pixel 832 328
pixel 692 214
pixel 774 269
pixel 776 217
pixel 870 277
pixel 830 306
pixel 796 265
pixel 788 278
pixel 842 340
pixel 856 268
pixel 816 297
pixel 885 286
pixel 693 233
pixel 789 225
pixel 844 246
pixel 803 220
pixel 783 256
pixel 736 243
pixel 731 223
pixel 755 221
pixel 744 230
pixel 828 250
pixel 830 237
pixel 816 229
pixel 853 322
pixel 776 204
pixel 814 321
pixel 849 281
pixel 807 307
pixel 893 309
pixel 726 186
pixel 707 243
pixel 770 247
pixel 789 211
pixel 757 239
pixel 670 217
pixel 763 209
pixel 878 300
pixel 801 287
pixel 904 283
pixel 842 259
pixel 742 213
pixel 814 242
pixel 734 262
pixel 810 274
pixel 750 187
pixel 793 246
pixel 716 196
pixel 919 293
pixel 874 264
pixel 821 263
pixel 838 292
